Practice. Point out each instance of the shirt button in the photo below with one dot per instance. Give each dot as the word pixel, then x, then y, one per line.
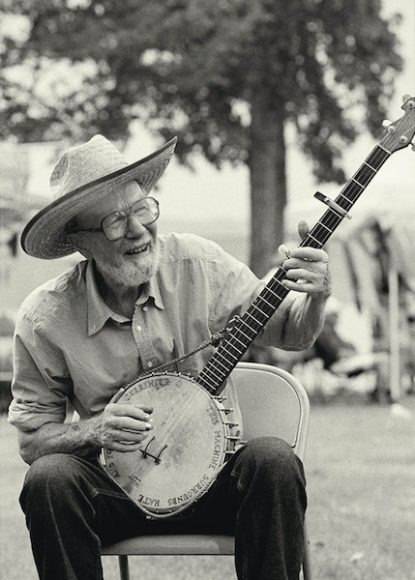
pixel 138 327
pixel 145 308
pixel 150 364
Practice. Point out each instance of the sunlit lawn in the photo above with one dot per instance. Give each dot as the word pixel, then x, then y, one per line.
pixel 361 519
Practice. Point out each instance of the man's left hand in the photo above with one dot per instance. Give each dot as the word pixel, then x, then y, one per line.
pixel 307 268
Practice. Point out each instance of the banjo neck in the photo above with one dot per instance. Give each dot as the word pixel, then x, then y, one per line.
pixel 247 327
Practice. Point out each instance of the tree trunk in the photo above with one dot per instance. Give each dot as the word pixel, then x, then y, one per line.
pixel 267 180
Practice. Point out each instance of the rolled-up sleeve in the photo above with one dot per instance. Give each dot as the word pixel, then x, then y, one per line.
pixel 41 383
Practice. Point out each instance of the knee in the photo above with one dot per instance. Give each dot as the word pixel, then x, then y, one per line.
pixel 49 474
pixel 273 461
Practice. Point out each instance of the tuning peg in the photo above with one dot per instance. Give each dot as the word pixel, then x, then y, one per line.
pixel 405 98
pixel 388 125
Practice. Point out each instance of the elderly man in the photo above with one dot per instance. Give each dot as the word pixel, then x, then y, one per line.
pixel 139 300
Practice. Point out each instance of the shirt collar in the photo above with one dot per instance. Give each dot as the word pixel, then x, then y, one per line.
pixel 99 312
pixel 152 290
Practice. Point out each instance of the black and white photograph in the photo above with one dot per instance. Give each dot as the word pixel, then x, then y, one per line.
pixel 207 289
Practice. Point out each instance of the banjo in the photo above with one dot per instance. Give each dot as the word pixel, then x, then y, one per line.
pixel 192 435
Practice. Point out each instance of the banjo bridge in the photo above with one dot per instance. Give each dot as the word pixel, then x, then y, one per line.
pixel 146 453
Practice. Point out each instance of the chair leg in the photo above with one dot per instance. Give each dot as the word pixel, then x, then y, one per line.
pixel 124 570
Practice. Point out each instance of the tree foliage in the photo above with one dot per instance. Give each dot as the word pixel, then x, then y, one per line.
pixel 225 76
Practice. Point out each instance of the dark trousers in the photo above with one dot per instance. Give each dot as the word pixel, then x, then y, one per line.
pixel 72 508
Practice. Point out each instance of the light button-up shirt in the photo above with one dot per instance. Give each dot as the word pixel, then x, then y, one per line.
pixel 69 345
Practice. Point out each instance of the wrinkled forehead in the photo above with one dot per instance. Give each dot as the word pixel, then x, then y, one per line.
pixel 121 197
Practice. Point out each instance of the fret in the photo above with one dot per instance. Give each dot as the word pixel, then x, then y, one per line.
pixel 211 372
pixel 260 297
pixel 234 347
pixel 353 190
pixel 362 176
pixel 220 374
pixel 240 341
pixel 346 198
pixel 259 309
pixel 384 149
pixel 274 294
pixel 278 277
pixel 329 216
pixel 223 354
pixel 315 239
pixel 377 157
pixel 277 298
pixel 203 381
pixel 204 377
pixel 247 313
pixel 323 236
pixel 325 227
pixel 216 361
pixel 359 184
pixel 245 335
pixel 370 167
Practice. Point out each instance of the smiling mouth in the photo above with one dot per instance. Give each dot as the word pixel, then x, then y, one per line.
pixel 138 251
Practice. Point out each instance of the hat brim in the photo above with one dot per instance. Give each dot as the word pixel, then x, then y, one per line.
pixel 45 237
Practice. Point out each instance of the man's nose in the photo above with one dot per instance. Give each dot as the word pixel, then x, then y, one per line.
pixel 134 226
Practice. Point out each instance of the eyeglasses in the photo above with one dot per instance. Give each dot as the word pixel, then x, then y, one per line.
pixel 115 225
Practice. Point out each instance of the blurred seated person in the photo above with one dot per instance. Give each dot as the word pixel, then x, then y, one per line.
pixel 341 357
pixel 330 347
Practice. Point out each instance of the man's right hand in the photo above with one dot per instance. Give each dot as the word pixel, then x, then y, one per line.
pixel 122 427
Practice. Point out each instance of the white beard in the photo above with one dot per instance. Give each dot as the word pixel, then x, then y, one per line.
pixel 132 274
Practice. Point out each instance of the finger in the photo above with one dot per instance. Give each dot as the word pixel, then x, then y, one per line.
pixel 132 425
pixel 284 251
pixel 303 274
pixel 123 446
pixel 306 281
pixel 141 412
pixel 111 436
pixel 300 286
pixel 303 229
pixel 310 254
pixel 127 436
pixel 316 268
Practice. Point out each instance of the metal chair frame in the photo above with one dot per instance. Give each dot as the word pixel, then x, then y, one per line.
pixel 282 405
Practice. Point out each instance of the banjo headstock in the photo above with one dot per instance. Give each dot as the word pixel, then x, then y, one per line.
pixel 400 133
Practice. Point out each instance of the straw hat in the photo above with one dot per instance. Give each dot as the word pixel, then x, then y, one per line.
pixel 82 176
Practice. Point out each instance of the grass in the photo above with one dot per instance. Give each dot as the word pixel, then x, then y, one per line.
pixel 361 471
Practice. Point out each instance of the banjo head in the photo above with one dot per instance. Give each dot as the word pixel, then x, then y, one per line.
pixel 183 452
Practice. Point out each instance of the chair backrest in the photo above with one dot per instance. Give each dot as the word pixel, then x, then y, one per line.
pixel 273 402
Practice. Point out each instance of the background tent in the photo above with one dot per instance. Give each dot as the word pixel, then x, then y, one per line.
pixel 373 261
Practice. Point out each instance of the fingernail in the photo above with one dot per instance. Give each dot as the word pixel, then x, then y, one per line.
pixel 148 426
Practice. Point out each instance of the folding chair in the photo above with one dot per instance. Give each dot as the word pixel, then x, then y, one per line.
pixel 273 403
